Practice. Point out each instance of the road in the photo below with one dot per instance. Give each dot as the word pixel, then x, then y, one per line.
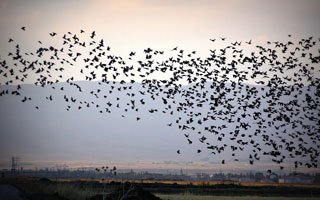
pixel 8 192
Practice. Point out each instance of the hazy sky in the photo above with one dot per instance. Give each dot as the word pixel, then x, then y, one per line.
pixel 137 24
pixel 133 25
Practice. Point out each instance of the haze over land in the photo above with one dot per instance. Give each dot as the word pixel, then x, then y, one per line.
pixel 88 138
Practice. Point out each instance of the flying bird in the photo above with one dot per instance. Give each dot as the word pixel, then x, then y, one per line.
pixel 276 116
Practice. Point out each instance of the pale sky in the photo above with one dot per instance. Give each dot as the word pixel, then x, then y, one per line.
pixel 133 25
pixel 136 24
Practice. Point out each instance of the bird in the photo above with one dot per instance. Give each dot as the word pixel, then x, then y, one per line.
pixel 52 34
pixel 132 53
pixel 175 49
pixel 93 34
pixel 217 102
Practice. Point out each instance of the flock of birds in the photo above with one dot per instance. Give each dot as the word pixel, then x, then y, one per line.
pixel 264 100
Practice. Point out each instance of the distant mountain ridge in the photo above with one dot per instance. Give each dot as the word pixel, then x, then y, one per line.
pixel 53 111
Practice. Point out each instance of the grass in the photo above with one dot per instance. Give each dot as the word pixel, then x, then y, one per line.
pixel 188 196
pixel 75 193
pixel 65 190
pixel 81 190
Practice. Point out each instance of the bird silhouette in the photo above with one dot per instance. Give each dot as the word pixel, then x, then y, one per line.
pixel 276 116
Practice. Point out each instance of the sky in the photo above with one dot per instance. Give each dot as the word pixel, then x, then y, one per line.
pixel 133 25
pixel 138 24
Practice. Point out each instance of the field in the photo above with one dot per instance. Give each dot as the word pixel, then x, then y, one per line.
pixel 200 183
pixel 83 189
